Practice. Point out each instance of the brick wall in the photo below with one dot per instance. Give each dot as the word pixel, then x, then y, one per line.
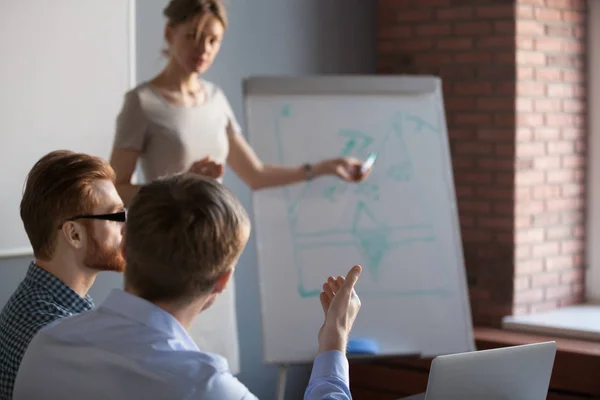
pixel 513 79
pixel 550 154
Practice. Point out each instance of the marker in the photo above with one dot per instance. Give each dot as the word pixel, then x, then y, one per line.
pixel 367 165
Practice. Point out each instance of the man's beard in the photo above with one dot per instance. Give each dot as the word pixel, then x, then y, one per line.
pixel 102 258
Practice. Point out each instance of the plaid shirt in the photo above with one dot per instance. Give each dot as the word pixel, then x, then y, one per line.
pixel 40 299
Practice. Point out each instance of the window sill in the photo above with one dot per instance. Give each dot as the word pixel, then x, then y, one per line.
pixel 576 322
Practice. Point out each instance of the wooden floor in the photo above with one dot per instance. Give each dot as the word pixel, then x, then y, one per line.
pixel 576 373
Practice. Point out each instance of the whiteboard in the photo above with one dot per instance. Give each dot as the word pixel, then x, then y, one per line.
pixel 66 65
pixel 401 224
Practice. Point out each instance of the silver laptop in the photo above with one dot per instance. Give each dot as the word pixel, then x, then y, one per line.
pixel 508 373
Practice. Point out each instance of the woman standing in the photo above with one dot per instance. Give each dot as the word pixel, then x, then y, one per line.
pixel 180 122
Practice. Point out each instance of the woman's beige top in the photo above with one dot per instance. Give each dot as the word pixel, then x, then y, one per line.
pixel 169 139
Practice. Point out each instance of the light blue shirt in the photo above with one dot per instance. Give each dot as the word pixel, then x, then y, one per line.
pixel 128 348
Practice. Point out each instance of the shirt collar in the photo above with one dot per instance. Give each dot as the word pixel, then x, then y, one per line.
pixel 62 294
pixel 146 313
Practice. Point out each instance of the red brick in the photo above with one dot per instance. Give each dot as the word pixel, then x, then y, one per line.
pixel 528 267
pixel 559 30
pixel 547 105
pixel 524 105
pixel 548 44
pixel 573 161
pixel 495 134
pixel 524 134
pixel 495 222
pixel 548 162
pixel 572 76
pixel 573 106
pixel 504 209
pixel 533 2
pixel 474 235
pixel 545 219
pixel 530 119
pixel 531 89
pixel 496 11
pixel 473 88
pixel 436 29
pixel 572 189
pixel 455 13
pixel 558 232
pixel 522 222
pixel 524 72
pixel 524 43
pixel 473 58
pixel 530 28
pixel 523 194
pixel 561 90
pixel 566 4
pixel 545 279
pixel 473 28
pixel 529 296
pixel 526 236
pixel 522 283
pixel 523 164
pixel 574 17
pixel 564 60
pixel 571 276
pixel 472 119
pixel 546 133
pixel 524 11
pixel 548 74
pixel 455 44
pixel 579 32
pixel 529 178
pixel 563 204
pixel 496 104
pixel 475 177
pixel 523 254
pixel 573 217
pixel 504 27
pixel 545 249
pixel 504 57
pixel 560 147
pixel 436 58
pixel 559 176
pixel 547 14
pixel 557 292
pixel 531 149
pixel 559 119
pixel 571 246
pixel 559 263
pixel 487 42
pixel 573 47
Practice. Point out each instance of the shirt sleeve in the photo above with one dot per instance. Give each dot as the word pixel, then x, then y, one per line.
pixel 131 124
pixel 330 378
pixel 233 126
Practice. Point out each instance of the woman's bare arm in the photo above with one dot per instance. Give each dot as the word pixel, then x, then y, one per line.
pixel 245 163
pixel 123 161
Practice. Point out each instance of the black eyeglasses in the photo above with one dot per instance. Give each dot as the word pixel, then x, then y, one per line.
pixel 120 216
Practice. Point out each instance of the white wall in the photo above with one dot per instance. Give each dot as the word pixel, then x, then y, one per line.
pixel 593 156
pixel 265 37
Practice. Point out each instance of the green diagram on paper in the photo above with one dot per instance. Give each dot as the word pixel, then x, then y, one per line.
pixel 369 234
